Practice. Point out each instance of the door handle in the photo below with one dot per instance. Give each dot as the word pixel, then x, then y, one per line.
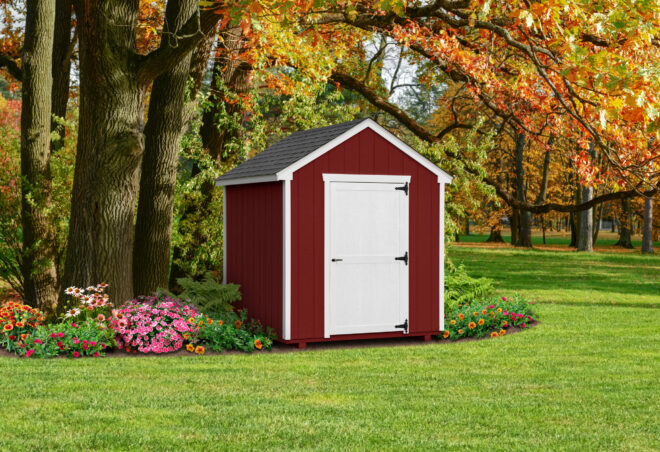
pixel 334 259
pixel 403 258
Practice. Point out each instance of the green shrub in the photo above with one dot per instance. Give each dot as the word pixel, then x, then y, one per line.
pixel 89 338
pixel 493 317
pixel 232 333
pixel 211 297
pixel 461 288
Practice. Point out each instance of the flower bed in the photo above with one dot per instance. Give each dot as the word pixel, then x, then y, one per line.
pixel 17 323
pixel 488 318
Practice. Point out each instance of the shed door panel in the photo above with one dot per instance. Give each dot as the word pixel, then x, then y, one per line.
pixel 368 230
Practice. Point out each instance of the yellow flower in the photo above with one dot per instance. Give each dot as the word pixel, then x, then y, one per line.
pixel 445 334
pixel 481 321
pixel 258 344
pixel 502 332
pixel 199 350
pixel 499 309
pixel 190 348
pixel 475 313
pixel 453 322
pixel 460 331
pixel 493 334
pixel 191 320
pixel 200 323
pixel 472 325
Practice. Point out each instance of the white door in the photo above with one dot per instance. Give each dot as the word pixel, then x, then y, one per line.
pixel 368 231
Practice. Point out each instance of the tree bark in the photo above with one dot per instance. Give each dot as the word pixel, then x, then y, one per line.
pixel 625 234
pixel 62 49
pixel 495 235
pixel 113 84
pixel 524 238
pixel 647 234
pixel 515 226
pixel 38 269
pixel 585 237
pixel 153 228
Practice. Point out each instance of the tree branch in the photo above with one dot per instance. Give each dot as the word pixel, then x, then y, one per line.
pixel 12 67
pixel 178 45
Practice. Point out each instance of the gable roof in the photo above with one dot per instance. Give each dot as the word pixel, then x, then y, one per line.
pixel 279 161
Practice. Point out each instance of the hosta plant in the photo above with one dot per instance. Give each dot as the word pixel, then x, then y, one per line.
pixel 153 324
pixel 17 323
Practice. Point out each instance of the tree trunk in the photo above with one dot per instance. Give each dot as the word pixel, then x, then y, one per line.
pixel 113 84
pixel 625 235
pixel 495 235
pixel 153 228
pixel 647 234
pixel 515 225
pixel 585 237
pixel 62 49
pixel 39 273
pixel 467 225
pixel 598 218
pixel 524 237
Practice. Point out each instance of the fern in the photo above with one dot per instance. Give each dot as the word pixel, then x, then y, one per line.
pixel 211 297
pixel 462 289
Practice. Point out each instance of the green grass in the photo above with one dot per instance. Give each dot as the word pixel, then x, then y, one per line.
pixel 584 379
pixel 566 277
pixel 605 239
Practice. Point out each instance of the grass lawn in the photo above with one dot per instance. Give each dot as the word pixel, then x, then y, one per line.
pixel 566 277
pixel 585 379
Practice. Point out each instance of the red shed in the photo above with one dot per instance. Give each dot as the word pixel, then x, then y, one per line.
pixel 338 233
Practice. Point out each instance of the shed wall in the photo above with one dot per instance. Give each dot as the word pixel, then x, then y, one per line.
pixel 254 249
pixel 365 153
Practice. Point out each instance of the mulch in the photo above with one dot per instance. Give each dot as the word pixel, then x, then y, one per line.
pixel 313 346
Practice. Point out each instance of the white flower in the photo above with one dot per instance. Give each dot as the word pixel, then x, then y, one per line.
pixel 91 289
pixel 86 299
pixel 72 313
pixel 69 290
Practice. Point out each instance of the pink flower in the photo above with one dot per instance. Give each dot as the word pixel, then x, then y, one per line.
pixel 506 313
pixel 529 318
pixel 38 341
pixel 60 335
pixel 503 298
pixel 93 343
pixel 520 316
pixel 100 317
pixel 29 353
pixel 96 354
pixel 76 341
pixel 52 335
pixel 74 325
pixel 522 325
pixel 60 344
pixel 103 345
pixel 76 354
pixel 85 347
pixel 491 306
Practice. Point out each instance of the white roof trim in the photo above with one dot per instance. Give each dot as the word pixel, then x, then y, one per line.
pixel 287 173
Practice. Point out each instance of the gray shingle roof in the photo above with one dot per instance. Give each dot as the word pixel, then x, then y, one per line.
pixel 288 151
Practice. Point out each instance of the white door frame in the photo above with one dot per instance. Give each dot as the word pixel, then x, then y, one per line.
pixel 327 180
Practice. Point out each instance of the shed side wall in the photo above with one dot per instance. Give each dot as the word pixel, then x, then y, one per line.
pixel 365 153
pixel 254 249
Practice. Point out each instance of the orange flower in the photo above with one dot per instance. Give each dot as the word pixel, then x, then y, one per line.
pixel 200 323
pixel 209 321
pixel 505 324
pixel 475 313
pixel 472 325
pixel 191 320
pixel 453 322
pixel 186 335
pixel 258 344
pixel 24 336
pixel 481 321
pixel 8 327
pixel 20 324
pixel 199 350
pixel 493 334
pixel 460 331
pixel 484 311
pixel 445 334
pixel 502 332
pixel 461 316
pixel 220 322
pixel 238 324
pixel 190 347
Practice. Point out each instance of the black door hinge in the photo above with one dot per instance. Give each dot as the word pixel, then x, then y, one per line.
pixel 403 188
pixel 404 325
pixel 403 258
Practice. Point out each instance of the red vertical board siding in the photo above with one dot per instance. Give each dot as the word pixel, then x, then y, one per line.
pixel 254 249
pixel 365 153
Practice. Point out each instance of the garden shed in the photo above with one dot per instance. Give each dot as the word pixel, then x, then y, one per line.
pixel 338 233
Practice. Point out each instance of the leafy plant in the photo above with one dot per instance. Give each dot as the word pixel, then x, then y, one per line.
pixel 460 288
pixel 211 297
pixel 492 317
pixel 221 335
pixel 89 338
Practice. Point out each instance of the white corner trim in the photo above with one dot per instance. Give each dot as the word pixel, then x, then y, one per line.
pixel 370 178
pixel 286 260
pixel 287 172
pixel 326 253
pixel 442 259
pixel 247 180
pixel 224 235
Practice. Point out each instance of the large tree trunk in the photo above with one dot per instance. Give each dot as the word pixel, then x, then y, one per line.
pixel 524 237
pixel 585 237
pixel 598 218
pixel 515 225
pixel 153 228
pixel 113 83
pixel 62 49
pixel 39 273
pixel 647 234
pixel 625 234
pixel 495 235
